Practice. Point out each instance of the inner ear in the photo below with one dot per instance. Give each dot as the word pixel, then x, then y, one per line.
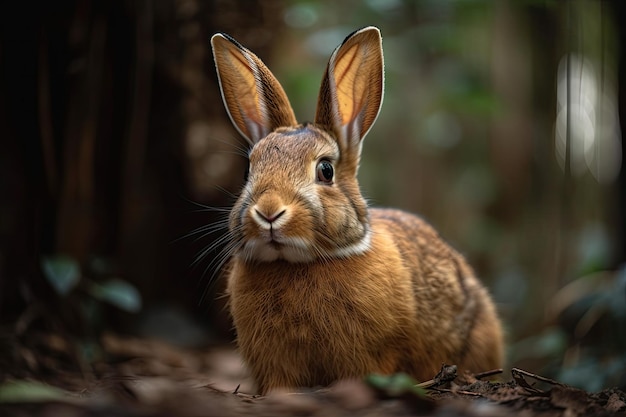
pixel 255 101
pixel 352 87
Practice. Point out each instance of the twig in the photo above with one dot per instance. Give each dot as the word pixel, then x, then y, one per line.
pixel 519 379
pixel 537 377
pixel 463 392
pixel 445 375
pixel 485 374
pixel 427 384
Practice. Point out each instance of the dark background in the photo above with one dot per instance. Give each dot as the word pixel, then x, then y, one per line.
pixel 115 145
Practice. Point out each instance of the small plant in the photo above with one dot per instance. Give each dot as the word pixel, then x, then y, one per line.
pixel 65 276
pixel 82 301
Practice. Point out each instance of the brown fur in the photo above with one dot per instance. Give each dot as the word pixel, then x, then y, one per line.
pixel 321 287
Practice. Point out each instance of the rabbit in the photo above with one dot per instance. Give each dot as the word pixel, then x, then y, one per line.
pixel 320 286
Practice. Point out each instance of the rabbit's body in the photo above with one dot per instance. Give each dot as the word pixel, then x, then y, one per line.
pixel 309 324
pixel 321 287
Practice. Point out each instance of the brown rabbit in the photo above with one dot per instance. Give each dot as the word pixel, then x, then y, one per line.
pixel 322 287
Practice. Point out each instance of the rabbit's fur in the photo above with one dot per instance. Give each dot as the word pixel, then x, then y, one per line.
pixel 320 286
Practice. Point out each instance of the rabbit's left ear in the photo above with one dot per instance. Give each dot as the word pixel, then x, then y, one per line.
pixel 352 87
pixel 254 99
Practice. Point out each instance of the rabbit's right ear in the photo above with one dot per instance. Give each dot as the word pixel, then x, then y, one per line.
pixel 255 101
pixel 352 88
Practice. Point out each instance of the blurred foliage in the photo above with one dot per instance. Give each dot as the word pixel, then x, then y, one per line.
pixel 585 346
pixel 592 312
pixel 29 392
pixel 396 385
pixel 64 274
pixel 85 294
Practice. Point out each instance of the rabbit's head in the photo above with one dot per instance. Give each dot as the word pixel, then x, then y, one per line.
pixel 301 201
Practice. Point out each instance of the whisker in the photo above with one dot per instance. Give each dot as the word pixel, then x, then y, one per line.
pixel 239 148
pixel 217 264
pixel 211 228
pixel 228 193
pixel 212 247
pixel 237 152
pixel 213 210
pixel 202 206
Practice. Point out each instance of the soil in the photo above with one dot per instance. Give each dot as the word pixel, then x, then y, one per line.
pixel 151 378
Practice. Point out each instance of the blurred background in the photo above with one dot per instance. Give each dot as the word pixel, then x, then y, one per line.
pixel 500 125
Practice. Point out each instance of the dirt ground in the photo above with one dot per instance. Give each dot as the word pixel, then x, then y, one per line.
pixel 152 378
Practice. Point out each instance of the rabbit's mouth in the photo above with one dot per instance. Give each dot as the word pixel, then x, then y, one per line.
pixel 273 248
pixel 275 245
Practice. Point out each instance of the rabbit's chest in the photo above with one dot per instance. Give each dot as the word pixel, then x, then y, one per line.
pixel 311 326
pixel 301 311
pixel 296 307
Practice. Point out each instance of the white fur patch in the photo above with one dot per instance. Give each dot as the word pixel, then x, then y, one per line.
pixel 260 251
pixel 298 250
pixel 354 249
pixel 292 249
pixel 296 255
pixel 309 194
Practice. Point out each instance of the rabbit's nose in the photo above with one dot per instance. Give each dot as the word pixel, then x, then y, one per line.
pixel 268 218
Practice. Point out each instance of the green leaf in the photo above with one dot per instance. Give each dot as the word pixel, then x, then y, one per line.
pixel 62 272
pixel 118 293
pixel 28 392
pixel 395 385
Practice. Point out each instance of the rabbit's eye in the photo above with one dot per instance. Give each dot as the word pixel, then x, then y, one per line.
pixel 325 172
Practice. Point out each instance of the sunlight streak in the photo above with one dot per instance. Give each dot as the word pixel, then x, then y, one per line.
pixel 587 113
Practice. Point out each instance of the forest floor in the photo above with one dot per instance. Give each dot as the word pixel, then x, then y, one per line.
pixel 151 378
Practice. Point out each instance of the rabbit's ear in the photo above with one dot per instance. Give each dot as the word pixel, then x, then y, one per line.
pixel 254 100
pixel 352 88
